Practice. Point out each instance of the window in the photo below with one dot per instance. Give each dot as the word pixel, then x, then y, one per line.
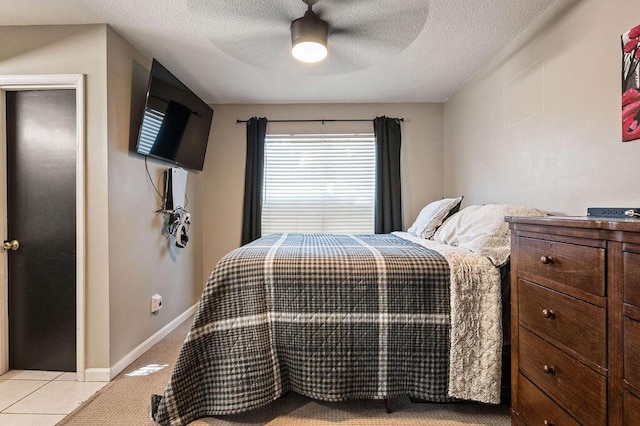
pixel 319 183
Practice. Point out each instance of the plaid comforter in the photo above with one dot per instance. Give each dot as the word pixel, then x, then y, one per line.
pixel 332 317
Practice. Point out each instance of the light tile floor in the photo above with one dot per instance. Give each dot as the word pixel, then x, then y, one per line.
pixel 41 398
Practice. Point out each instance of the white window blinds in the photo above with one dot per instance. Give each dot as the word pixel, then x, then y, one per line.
pixel 319 183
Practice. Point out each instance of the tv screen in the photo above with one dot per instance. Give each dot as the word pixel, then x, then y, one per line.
pixel 175 123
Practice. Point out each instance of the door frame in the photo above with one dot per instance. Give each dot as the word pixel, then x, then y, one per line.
pixel 47 82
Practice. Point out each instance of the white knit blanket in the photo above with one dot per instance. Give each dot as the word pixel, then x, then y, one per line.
pixel 475 365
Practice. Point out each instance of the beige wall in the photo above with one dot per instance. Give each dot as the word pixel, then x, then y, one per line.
pixel 77 50
pixel 128 259
pixel 422 153
pixel 541 124
pixel 142 261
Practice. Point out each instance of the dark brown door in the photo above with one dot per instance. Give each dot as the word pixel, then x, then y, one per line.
pixel 41 200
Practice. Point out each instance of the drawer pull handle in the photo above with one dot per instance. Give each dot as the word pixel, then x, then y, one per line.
pixel 549 369
pixel 546 260
pixel 548 423
pixel 548 313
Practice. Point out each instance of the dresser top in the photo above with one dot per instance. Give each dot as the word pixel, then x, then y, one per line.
pixel 588 222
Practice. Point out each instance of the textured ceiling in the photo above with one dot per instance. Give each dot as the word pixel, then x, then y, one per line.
pixel 238 51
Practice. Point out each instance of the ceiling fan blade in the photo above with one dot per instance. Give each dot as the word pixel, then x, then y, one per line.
pixel 361 32
pixel 379 33
pixel 368 40
pixel 406 17
pixel 268 52
pixel 246 13
pixel 341 61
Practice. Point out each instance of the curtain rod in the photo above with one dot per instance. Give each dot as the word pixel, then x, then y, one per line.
pixel 312 121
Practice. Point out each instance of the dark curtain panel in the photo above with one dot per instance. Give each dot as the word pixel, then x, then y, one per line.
pixel 388 201
pixel 253 172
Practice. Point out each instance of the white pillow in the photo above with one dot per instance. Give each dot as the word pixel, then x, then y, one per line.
pixel 432 216
pixel 482 229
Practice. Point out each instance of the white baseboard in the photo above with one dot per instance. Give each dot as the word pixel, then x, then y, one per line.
pixel 106 374
pixel 97 374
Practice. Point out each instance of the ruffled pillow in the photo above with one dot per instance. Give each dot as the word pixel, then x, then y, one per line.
pixel 432 216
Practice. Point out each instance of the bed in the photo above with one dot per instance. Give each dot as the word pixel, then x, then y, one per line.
pixel 338 317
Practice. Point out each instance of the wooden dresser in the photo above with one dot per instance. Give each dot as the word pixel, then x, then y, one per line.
pixel 575 330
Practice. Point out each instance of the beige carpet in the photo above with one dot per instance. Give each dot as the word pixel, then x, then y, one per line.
pixel 126 401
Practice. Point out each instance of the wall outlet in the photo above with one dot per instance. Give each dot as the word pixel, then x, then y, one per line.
pixel 156 303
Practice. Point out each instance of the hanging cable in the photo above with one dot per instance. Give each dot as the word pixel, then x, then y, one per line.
pixel 160 197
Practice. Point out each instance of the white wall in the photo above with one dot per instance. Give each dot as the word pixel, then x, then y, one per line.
pixel 541 124
pixel 422 153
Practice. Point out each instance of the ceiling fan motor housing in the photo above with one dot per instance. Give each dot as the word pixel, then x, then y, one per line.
pixel 309 28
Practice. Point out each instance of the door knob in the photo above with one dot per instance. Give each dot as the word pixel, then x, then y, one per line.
pixel 10 245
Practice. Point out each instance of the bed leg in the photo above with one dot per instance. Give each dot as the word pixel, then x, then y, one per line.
pixel 388 405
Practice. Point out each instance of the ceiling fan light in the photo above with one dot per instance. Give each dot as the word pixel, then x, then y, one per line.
pixel 309 51
pixel 309 38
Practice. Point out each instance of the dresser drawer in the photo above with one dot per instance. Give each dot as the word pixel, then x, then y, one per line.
pixel 631 277
pixel 582 391
pixel 578 325
pixel 536 408
pixel 631 408
pixel 576 266
pixel 632 352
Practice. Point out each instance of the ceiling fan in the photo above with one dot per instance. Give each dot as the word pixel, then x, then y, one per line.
pixel 309 36
pixel 356 33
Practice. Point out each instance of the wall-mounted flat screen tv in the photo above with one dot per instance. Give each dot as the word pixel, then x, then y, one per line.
pixel 175 123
